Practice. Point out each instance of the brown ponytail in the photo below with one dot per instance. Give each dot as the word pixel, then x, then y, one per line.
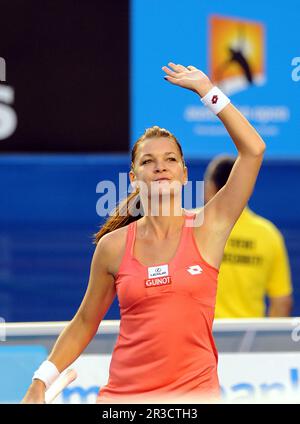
pixel 123 213
pixel 122 216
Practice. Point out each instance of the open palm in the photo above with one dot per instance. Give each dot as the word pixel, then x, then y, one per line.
pixel 187 77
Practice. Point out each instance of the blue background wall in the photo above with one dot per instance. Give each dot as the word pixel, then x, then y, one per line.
pixel 48 216
pixel 176 31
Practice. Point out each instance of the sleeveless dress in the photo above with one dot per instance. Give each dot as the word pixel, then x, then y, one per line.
pixel 165 350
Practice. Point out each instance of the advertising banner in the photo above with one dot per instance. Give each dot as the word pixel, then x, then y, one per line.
pixel 251 54
pixel 244 377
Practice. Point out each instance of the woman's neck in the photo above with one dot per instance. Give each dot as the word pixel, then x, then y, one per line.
pixel 162 227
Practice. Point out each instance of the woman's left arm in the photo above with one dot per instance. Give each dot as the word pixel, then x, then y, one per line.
pixel 228 203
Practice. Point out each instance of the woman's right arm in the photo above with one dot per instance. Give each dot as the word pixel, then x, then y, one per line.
pixel 82 328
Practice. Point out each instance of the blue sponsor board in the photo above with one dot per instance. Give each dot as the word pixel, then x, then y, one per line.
pixel 239 45
pixel 243 390
pixel 17 365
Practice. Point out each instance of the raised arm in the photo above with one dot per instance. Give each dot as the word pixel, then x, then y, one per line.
pixel 81 329
pixel 226 206
pixel 229 202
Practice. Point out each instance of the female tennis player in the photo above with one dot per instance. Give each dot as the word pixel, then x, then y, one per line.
pixel 163 267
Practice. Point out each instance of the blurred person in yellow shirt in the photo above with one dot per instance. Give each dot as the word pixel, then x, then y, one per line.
pixel 255 262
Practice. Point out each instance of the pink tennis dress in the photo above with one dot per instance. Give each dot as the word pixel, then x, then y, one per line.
pixel 165 349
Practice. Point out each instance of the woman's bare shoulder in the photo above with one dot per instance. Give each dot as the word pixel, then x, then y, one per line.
pixel 114 238
pixel 195 210
pixel 113 245
pixel 198 220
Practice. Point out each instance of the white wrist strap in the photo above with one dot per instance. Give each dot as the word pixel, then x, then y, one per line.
pixel 47 372
pixel 215 100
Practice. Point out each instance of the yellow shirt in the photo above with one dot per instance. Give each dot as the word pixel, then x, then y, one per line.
pixel 255 264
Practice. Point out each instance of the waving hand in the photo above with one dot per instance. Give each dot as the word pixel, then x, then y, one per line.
pixel 188 77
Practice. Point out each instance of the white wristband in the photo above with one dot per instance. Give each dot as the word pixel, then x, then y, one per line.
pixel 215 100
pixel 47 372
